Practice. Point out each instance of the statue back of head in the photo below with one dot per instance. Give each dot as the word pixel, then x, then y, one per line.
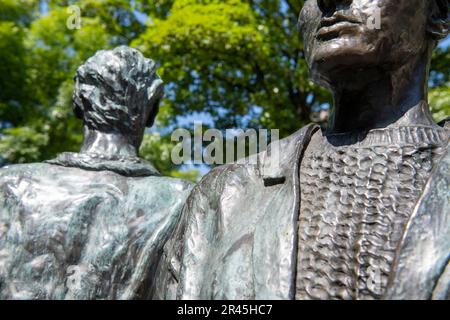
pixel 118 91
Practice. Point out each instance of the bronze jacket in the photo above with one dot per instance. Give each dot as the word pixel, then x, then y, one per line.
pixel 237 237
pixel 70 233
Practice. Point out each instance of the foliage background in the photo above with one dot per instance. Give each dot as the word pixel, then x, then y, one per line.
pixel 229 63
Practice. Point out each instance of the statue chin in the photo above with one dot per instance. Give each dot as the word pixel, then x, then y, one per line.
pixel 331 60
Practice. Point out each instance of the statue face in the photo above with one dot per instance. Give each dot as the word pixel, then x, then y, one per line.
pixel 361 34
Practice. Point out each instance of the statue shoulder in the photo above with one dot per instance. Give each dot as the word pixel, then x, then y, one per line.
pixel 279 159
pixel 217 210
pixel 174 185
pixel 20 171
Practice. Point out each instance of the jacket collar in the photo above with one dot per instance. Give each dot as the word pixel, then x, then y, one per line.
pixel 128 167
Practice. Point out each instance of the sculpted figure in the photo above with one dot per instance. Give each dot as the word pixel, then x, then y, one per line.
pixel 358 211
pixel 91 225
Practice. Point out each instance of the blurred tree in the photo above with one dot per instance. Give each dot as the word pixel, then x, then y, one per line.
pixel 439 94
pixel 240 62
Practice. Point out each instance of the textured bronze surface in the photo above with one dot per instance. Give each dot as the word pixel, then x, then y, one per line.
pixel 355 204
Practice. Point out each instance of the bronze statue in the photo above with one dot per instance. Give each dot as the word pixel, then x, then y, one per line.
pixel 358 211
pixel 91 225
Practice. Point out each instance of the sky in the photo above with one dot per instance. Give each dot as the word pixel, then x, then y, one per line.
pixel 445 43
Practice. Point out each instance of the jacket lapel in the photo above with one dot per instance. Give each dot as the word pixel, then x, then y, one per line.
pixel 275 242
pixel 424 251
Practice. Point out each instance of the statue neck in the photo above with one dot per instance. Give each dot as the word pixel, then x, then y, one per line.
pixel 108 145
pixel 380 99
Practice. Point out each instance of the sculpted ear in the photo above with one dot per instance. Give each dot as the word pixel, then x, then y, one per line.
pixel 439 19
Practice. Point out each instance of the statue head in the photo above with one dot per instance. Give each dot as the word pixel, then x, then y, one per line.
pixel 351 35
pixel 118 91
